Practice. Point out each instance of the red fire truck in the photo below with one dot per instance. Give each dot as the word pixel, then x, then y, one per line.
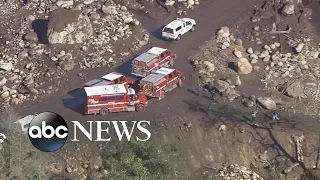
pixel 109 79
pixel 160 82
pixel 113 98
pixel 152 60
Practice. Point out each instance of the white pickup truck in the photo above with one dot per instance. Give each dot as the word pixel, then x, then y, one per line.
pixel 178 27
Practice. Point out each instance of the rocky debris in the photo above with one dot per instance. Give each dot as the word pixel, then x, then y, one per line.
pixel 5 66
pixel 234 79
pixel 267 103
pixel 243 66
pixel 288 9
pixel 68 27
pixel 294 89
pixel 28 64
pixel 298 144
pixel 221 86
pixel 222 127
pixel 209 66
pixel 237 53
pixel 223 38
pixel 234 171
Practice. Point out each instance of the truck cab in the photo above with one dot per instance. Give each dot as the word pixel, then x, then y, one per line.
pixel 160 82
pixel 178 27
pixel 152 60
pixel 113 98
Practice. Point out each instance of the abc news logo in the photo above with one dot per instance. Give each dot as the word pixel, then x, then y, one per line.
pixel 48 131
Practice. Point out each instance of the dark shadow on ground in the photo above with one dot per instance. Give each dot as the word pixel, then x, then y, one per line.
pixel 77 101
pixel 40 27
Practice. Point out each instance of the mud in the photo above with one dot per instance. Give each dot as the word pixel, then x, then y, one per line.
pixel 181 105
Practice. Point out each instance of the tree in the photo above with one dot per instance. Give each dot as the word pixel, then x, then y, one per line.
pixel 18 158
pixel 142 160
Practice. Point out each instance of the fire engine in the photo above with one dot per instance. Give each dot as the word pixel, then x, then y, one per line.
pixel 113 98
pixel 109 79
pixel 160 82
pixel 152 60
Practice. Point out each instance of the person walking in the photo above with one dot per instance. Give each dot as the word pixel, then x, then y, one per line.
pixel 209 108
pixel 254 115
pixel 198 89
pixel 275 116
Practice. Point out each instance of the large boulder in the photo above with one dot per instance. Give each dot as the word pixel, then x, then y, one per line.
pixel 267 103
pixel 294 90
pixel 68 27
pixel 243 66
pixel 288 9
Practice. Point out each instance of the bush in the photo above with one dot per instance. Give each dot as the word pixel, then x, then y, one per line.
pixel 142 160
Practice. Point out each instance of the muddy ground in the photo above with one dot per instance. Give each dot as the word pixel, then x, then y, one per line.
pixel 208 147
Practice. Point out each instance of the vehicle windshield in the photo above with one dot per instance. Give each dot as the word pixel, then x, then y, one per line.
pixel 168 30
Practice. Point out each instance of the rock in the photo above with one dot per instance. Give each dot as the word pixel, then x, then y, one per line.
pixel 299 48
pixel 31 36
pixel 264 54
pixel 74 29
pixel 209 66
pixel 221 86
pixel 190 2
pixel 58 166
pixel 294 90
pixel 234 80
pixel 224 32
pixel 69 169
pixel 6 66
pixel 267 103
pixel 243 66
pixel 103 170
pixel 15 101
pixel 135 22
pixel 5 95
pixel 238 42
pixel 128 20
pixel 253 56
pixel 109 10
pixel 3 81
pixel 67 65
pixel 94 16
pixel 237 53
pixel 288 9
pixel 222 127
pixel 248 102
pixel 250 50
pixel 85 166
pixel 64 3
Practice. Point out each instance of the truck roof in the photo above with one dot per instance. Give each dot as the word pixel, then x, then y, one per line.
pixel 111 76
pixel 104 90
pixel 153 78
pixel 145 57
pixel 156 50
pixel 164 71
pixel 174 24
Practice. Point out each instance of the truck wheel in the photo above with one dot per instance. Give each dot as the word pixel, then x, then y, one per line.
pixel 180 83
pixel 140 108
pixel 171 62
pixel 104 111
pixel 193 28
pixel 178 38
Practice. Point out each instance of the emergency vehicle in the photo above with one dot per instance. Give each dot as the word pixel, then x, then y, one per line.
pixel 178 27
pixel 152 60
pixel 160 82
pixel 113 98
pixel 109 79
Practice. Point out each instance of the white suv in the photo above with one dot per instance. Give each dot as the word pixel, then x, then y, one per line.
pixel 178 27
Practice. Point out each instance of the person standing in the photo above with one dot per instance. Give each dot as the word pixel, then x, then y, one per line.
pixel 254 115
pixel 209 108
pixel 198 89
pixel 275 116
